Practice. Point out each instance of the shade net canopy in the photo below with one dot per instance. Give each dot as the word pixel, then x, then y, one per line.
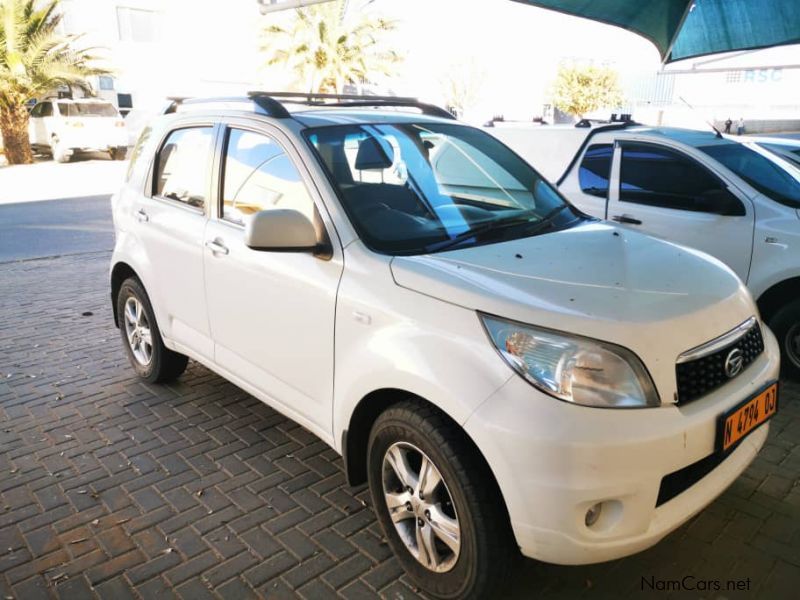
pixel 683 29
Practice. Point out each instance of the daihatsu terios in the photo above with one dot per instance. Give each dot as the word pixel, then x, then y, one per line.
pixel 506 372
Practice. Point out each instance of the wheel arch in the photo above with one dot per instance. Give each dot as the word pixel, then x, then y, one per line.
pixel 119 273
pixel 777 296
pixel 356 437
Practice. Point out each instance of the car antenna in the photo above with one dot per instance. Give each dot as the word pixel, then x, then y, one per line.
pixel 709 123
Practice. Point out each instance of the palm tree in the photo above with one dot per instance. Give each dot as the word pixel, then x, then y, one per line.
pixel 327 46
pixel 34 59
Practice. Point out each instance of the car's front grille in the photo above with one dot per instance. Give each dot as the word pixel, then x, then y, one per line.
pixel 698 376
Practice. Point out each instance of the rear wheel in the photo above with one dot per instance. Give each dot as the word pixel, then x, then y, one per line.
pixel 118 153
pixel 151 359
pixel 438 504
pixel 785 323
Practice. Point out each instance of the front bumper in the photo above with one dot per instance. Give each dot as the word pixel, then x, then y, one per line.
pixel 554 460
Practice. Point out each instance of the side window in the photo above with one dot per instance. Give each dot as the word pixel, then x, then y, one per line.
pixel 595 169
pixel 661 177
pixel 36 111
pixel 259 176
pixel 47 109
pixel 183 164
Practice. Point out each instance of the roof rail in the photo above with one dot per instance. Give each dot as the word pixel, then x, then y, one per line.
pixel 355 100
pixel 265 105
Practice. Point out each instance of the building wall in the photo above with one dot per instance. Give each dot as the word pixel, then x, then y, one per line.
pixel 161 48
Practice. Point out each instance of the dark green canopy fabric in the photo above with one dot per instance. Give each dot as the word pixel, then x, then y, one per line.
pixel 687 28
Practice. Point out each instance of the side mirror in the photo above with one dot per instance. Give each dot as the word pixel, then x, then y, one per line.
pixel 720 202
pixel 281 230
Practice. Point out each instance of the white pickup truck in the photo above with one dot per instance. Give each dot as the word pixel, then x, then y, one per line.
pixel 737 202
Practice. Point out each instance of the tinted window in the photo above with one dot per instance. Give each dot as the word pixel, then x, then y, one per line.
pixel 768 177
pixel 412 188
pixel 183 164
pixel 260 176
pixel 595 169
pixel 660 177
pixel 36 111
pixel 786 152
pixel 47 109
pixel 87 109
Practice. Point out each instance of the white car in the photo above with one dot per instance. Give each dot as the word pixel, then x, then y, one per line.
pixel 729 197
pixel 787 148
pixel 506 373
pixel 64 127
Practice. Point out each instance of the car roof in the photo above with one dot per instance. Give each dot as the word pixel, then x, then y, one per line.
pixel 690 137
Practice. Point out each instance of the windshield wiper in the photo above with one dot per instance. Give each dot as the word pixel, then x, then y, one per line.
pixel 494 225
pixel 547 220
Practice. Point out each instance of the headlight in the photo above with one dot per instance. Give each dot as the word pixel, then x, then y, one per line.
pixel 573 369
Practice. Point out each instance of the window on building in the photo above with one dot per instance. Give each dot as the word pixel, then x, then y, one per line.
pixel 137 25
pixel 595 170
pixel 183 164
pixel 733 77
pixel 260 176
pixel 658 176
pixel 104 82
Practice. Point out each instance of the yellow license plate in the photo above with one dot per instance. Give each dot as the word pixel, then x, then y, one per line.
pixel 740 421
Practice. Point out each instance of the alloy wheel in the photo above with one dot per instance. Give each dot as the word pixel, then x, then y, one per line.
pixel 421 507
pixel 137 329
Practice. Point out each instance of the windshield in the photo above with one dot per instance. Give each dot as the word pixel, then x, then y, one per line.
pixel 765 175
pixel 418 188
pixel 87 109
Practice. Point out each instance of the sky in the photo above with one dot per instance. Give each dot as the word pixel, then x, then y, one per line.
pixel 510 49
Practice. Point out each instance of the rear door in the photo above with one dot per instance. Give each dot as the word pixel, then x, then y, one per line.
pixel 662 191
pixel 171 219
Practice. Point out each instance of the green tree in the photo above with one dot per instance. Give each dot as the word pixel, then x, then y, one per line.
pixel 579 90
pixel 34 60
pixel 328 47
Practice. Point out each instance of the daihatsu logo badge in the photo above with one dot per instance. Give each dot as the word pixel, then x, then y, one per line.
pixel 734 363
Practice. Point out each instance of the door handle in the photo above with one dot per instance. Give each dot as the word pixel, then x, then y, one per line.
pixel 142 216
pixel 626 219
pixel 217 247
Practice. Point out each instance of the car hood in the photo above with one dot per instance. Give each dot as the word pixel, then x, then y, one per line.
pixel 597 280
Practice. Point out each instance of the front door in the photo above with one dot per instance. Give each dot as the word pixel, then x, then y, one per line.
pixel 271 313
pixel 588 188
pixel 664 192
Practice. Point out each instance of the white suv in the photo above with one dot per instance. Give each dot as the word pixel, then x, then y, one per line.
pixel 64 127
pixel 504 371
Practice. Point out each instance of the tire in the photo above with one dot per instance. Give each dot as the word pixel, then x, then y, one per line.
pixel 159 364
pixel 480 563
pixel 785 323
pixel 119 153
pixel 60 154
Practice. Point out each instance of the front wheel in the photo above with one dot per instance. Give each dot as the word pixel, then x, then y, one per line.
pixel 786 326
pixel 60 154
pixel 148 355
pixel 438 504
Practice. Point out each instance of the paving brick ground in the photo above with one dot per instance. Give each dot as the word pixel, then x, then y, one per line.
pixel 112 488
